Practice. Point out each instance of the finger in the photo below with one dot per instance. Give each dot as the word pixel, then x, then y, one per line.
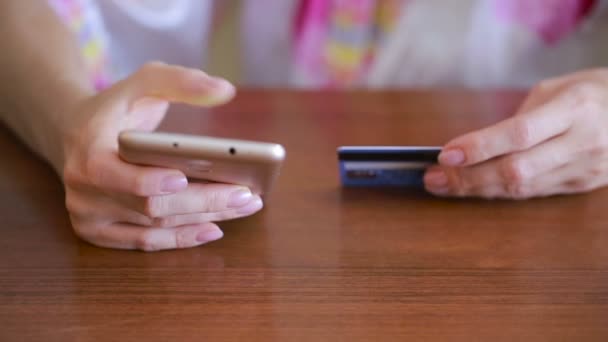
pixel 540 187
pixel 492 191
pixel 503 191
pixel 91 206
pixel 177 84
pixel 515 134
pixel 543 92
pixel 573 178
pixel 109 172
pixel 102 209
pixel 513 169
pixel 212 198
pixel 188 219
pixel 565 179
pixel 126 236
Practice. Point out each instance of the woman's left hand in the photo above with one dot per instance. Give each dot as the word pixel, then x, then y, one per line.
pixel 556 143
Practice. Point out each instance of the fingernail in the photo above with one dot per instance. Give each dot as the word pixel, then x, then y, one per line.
pixel 218 82
pixel 221 91
pixel 174 184
pixel 210 91
pixel 452 157
pixel 251 208
pixel 239 198
pixel 209 235
pixel 215 99
pixel 436 179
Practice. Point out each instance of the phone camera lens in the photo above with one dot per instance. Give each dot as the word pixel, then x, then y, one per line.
pixel 232 151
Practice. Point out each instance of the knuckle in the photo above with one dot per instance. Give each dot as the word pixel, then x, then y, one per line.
pixel 146 243
pixel 461 181
pixel 165 222
pixel 182 239
pixel 598 145
pixel 580 185
pixel 212 201
pixel 582 91
pixel 475 150
pixel 515 171
pixel 154 206
pixel 139 186
pixel 585 98
pixel 597 171
pixel 521 134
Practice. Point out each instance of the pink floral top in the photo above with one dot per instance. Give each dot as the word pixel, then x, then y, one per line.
pixel 386 43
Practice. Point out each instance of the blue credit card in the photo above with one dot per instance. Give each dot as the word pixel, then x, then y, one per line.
pixel 398 166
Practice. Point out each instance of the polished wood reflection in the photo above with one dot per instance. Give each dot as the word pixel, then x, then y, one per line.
pixel 320 262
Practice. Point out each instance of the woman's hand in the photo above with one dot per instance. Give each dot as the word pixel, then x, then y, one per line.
pixel 557 143
pixel 119 205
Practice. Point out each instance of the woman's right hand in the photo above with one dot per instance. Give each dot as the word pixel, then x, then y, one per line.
pixel 120 205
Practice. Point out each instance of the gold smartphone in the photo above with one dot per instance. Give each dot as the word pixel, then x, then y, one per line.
pixel 249 163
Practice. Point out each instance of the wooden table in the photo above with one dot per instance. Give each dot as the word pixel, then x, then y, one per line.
pixel 320 262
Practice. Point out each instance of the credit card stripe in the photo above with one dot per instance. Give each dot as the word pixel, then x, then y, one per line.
pixel 356 165
pixel 420 156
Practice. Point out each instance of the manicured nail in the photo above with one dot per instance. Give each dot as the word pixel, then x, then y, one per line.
pixel 209 235
pixel 221 91
pixel 174 184
pixel 218 82
pixel 209 90
pixel 452 157
pixel 213 100
pixel 436 179
pixel 251 208
pixel 239 198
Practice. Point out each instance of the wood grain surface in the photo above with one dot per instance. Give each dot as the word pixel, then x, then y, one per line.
pixel 319 263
